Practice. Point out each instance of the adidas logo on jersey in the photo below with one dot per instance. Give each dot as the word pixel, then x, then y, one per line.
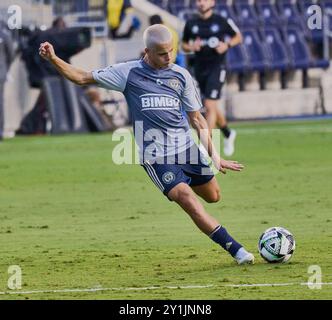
pixel 154 101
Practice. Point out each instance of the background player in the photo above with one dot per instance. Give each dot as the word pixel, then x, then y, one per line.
pixel 144 82
pixel 205 36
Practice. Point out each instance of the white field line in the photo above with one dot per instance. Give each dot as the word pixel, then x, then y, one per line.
pixel 297 129
pixel 164 287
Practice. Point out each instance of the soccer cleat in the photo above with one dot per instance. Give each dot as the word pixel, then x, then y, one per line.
pixel 248 258
pixel 229 143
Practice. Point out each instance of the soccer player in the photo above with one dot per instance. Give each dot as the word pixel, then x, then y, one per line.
pixel 157 91
pixel 204 35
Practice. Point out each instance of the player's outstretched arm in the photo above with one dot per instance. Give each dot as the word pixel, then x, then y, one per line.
pixel 73 74
pixel 199 123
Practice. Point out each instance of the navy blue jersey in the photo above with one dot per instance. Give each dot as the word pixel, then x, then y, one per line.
pixel 211 31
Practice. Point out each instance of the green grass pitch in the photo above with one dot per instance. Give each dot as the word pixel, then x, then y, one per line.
pixel 71 219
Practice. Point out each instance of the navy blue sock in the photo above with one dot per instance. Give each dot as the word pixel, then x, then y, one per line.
pixel 221 236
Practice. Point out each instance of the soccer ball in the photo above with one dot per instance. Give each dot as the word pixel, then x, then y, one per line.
pixel 276 245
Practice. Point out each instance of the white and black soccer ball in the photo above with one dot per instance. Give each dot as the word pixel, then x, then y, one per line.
pixel 276 245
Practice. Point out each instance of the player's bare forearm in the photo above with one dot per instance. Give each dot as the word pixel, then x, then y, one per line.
pixel 199 123
pixel 70 72
pixel 201 126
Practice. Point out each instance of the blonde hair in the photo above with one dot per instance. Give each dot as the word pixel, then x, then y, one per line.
pixel 157 34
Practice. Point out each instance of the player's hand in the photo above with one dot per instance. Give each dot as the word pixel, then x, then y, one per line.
pixel 197 45
pixel 46 51
pixel 224 165
pixel 222 48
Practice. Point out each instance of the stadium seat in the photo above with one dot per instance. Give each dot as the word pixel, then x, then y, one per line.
pixel 300 52
pixel 246 13
pixel 290 12
pixel 257 53
pixel 277 52
pixel 321 63
pixel 298 48
pixel 237 59
pixel 258 57
pixel 226 11
pixel 268 13
pixel 305 4
pixel 175 6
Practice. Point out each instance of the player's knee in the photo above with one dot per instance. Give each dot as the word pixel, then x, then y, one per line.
pixel 214 197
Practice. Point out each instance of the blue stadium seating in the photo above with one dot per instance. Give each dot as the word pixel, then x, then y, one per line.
pixel 246 13
pixel 276 34
pixel 321 63
pixel 276 49
pixel 304 4
pixel 258 56
pixel 300 52
pixel 175 6
pixel 226 11
pixel 237 60
pixel 298 48
pixel 268 13
pixel 290 12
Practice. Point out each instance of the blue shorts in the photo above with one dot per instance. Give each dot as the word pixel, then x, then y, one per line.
pixel 167 175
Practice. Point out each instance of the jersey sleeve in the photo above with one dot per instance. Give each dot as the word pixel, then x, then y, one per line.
pixel 186 36
pixel 231 28
pixel 113 77
pixel 191 98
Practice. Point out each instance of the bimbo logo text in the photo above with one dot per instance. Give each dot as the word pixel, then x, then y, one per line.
pixel 157 101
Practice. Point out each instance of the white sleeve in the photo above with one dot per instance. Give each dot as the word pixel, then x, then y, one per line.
pixel 191 98
pixel 113 77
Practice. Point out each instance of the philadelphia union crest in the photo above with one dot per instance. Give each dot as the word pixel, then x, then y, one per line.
pixel 168 177
pixel 174 84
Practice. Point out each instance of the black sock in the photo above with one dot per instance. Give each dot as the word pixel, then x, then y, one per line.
pixel 226 131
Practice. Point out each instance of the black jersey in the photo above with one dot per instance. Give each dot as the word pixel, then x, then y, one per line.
pixel 210 31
